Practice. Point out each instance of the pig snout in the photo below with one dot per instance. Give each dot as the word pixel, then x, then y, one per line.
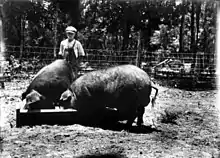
pixel 33 97
pixel 34 100
pixel 67 99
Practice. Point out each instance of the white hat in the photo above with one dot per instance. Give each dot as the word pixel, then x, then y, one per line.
pixel 71 29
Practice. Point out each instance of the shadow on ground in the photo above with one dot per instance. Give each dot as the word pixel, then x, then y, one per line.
pixel 118 126
pixel 111 121
pixel 108 155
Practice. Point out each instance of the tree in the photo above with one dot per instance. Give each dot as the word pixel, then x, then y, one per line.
pixel 209 32
pixel 72 8
pixel 198 11
pixel 111 24
pixel 192 28
pixel 14 12
pixel 182 12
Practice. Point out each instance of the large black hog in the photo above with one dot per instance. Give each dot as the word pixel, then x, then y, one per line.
pixel 47 86
pixel 126 88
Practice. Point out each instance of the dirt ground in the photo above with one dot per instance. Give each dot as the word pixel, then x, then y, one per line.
pixel 186 125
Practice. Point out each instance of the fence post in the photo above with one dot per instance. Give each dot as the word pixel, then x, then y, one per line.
pixel 137 63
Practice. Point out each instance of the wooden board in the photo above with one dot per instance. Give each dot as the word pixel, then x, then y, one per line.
pixel 45 116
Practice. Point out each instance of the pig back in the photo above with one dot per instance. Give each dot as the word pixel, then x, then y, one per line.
pixel 52 80
pixel 115 87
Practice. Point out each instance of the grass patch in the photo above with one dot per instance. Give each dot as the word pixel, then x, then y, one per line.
pixel 170 116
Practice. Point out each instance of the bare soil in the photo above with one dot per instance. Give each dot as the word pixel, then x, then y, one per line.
pixel 186 125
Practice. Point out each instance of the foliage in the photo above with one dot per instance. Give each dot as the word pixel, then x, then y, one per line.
pixel 115 25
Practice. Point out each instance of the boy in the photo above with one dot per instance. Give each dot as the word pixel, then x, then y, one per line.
pixel 71 49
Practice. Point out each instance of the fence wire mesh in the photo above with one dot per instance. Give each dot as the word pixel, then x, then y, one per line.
pixel 158 64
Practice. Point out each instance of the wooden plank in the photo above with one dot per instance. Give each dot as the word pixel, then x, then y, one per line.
pixel 45 116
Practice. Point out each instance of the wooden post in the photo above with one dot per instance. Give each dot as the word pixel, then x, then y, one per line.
pixel 137 63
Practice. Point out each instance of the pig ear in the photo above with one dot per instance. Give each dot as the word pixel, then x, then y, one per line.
pixel 67 98
pixel 38 94
pixel 66 95
pixel 32 99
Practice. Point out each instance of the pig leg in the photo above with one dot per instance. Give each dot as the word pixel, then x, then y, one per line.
pixel 131 120
pixel 131 117
pixel 98 115
pixel 90 114
pixel 140 113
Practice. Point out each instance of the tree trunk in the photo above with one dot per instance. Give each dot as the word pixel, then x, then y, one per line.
pixel 21 36
pixel 116 45
pixel 125 36
pixel 205 39
pixel 125 31
pixel 55 32
pixel 181 30
pixel 137 62
pixel 198 11
pixel 148 33
pixel 192 46
pixel 205 29
pixel 1 33
pixel 75 13
pixel 71 7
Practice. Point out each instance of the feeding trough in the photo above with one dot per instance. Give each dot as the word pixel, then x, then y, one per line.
pixel 48 116
pixel 60 117
pixel 45 116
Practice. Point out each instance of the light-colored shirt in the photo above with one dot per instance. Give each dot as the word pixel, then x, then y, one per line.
pixel 78 49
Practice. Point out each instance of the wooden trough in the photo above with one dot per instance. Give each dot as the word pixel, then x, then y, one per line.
pixel 45 116
pixel 61 117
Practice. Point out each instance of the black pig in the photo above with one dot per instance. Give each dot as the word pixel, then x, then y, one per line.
pixel 126 88
pixel 48 85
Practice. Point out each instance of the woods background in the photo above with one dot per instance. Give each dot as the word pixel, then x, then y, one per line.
pixel 111 31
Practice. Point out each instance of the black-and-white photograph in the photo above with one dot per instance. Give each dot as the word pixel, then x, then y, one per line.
pixel 109 78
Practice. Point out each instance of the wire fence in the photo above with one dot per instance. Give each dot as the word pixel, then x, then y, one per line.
pixel 37 57
pixel 159 64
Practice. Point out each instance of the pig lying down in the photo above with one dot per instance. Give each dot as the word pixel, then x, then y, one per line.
pixel 126 88
pixel 47 86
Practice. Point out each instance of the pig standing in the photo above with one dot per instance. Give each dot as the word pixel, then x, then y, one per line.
pixel 126 88
pixel 49 83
